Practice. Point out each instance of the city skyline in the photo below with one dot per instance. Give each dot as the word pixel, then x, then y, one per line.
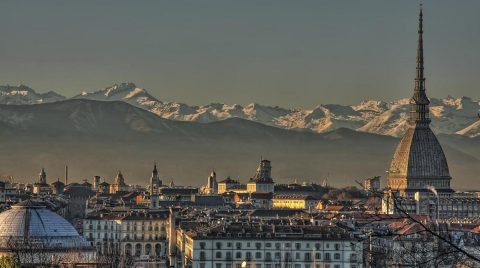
pixel 143 182
pixel 270 53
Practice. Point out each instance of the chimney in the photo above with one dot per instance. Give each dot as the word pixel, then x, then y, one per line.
pixel 172 239
pixel 66 175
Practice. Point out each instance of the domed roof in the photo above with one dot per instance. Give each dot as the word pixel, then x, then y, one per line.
pixel 33 220
pixel 419 155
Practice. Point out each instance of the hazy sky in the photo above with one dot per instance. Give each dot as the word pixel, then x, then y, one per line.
pixel 287 53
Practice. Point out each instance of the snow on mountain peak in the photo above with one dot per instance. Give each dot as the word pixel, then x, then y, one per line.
pixel 18 95
pixel 471 131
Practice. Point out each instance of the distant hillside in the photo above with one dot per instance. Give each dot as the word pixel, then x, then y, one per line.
pixel 99 138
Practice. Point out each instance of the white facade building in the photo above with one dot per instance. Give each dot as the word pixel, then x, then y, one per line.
pixel 268 246
pixel 138 235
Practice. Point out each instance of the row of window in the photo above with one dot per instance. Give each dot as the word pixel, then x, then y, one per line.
pixel 307 256
pixel 127 228
pixel 277 265
pixel 128 223
pixel 149 250
pixel 238 245
pixel 127 236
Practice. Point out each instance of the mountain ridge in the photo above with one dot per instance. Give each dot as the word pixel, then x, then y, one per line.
pixel 449 115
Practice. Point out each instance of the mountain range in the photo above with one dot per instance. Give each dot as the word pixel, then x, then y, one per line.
pixel 124 127
pixel 449 115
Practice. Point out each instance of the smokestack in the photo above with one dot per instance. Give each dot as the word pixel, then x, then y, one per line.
pixel 66 175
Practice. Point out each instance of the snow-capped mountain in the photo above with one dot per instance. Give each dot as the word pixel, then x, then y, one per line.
pixel 17 95
pixel 126 92
pixel 449 115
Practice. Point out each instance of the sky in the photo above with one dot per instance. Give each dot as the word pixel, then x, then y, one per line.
pixel 274 52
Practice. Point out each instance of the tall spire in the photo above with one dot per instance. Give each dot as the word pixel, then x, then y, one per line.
pixel 155 168
pixel 419 114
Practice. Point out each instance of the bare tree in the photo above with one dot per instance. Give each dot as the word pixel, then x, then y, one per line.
pixel 424 244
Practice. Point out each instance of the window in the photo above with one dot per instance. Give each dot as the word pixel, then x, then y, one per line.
pixel 277 245
pixel 219 245
pixel 218 254
pixel 202 256
pixel 288 256
pixel 258 245
pixel 268 245
pixel 317 246
pixel 268 256
pixel 327 256
pixel 307 256
pixel 202 265
pixel 258 255
pixel 297 256
pixel 202 245
pixel 336 256
pixel 218 265
pixel 337 246
pixel 148 249
pixel 138 250
pixel 238 254
pixel 248 255
pixel 239 245
pixel 297 245
pixel 278 255
pixel 353 257
pixel 228 255
pixel 128 249
pixel 318 256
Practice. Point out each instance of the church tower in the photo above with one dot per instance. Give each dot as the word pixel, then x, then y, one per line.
pixel 212 185
pixel 419 163
pixel 262 181
pixel 155 184
pixel 42 177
